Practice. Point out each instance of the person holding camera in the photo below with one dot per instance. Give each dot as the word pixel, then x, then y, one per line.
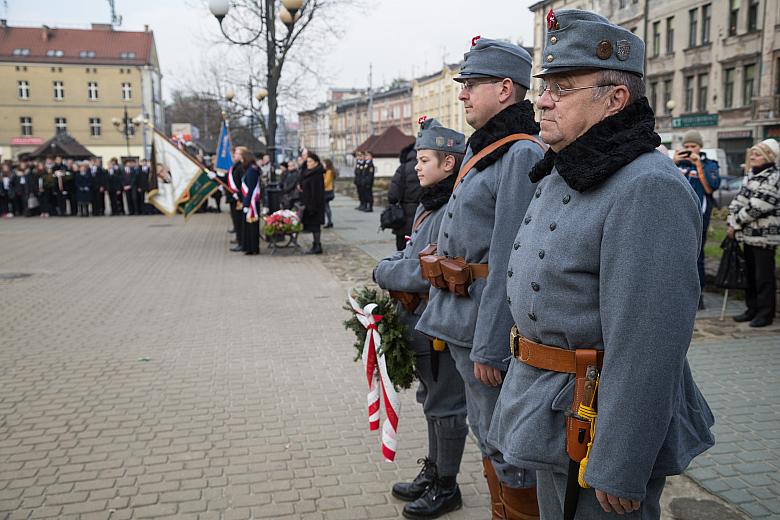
pixel 704 176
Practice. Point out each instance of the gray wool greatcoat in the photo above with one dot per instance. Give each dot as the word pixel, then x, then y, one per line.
pixel 613 268
pixel 401 272
pixel 480 224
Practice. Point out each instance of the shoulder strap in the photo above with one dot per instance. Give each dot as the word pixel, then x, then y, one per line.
pixel 492 147
pixel 702 178
pixel 417 223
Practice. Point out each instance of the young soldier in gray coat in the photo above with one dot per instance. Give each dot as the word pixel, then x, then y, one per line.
pixel 603 282
pixel 434 492
pixel 479 226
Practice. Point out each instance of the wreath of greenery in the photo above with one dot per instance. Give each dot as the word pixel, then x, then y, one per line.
pixel 399 357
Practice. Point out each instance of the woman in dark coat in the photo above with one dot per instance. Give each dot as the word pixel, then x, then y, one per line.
pixel 250 189
pixel 312 186
pixel 83 190
pixel 405 190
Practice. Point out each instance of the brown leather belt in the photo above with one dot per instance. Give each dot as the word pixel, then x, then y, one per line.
pixel 545 357
pixel 409 300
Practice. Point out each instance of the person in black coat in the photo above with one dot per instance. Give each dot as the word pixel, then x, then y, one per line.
pixel 99 177
pixel 252 202
pixel 115 188
pixel 128 185
pixel 312 187
pixel 405 190
pixel 235 178
pixel 83 184
pixel 142 186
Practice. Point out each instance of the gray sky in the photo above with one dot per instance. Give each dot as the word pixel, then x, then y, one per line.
pixel 400 38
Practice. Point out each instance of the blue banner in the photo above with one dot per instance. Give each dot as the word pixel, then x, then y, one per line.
pixel 224 155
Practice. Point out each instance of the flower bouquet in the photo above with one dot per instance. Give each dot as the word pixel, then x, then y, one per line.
pixel 282 222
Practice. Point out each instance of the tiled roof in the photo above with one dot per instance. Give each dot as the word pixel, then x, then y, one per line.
pixel 387 144
pixel 98 46
pixel 63 145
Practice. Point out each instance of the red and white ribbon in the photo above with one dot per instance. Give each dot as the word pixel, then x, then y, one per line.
pixel 377 376
pixel 253 212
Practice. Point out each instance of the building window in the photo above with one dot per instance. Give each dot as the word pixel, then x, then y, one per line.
pixel 92 90
pixel 86 54
pixel 733 17
pixel 748 78
pixel 127 91
pixel 728 87
pixel 623 4
pixel 59 90
pixel 127 55
pixel 60 125
pixel 26 124
pixel 94 126
pixel 667 95
pixel 21 52
pixel 670 35
pixel 23 89
pixel 656 38
pixel 693 23
pixel 55 53
pixel 689 93
pixel 703 84
pixel 706 18
pixel 654 95
pixel 752 25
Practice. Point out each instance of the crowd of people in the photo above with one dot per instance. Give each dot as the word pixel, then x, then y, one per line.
pixel 66 187
pixel 305 185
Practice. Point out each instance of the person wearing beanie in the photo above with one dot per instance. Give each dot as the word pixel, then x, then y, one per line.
pixel 599 397
pixel 704 176
pixel 435 491
pixel 754 220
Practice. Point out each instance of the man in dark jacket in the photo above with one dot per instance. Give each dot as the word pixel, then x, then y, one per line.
pixel 99 186
pixel 405 190
pixel 115 188
pixel 367 182
pixel 129 177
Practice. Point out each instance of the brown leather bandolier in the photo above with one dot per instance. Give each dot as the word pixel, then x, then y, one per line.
pixel 449 274
pixel 409 300
pixel 586 364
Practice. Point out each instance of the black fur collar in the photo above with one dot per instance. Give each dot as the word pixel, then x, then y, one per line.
pixel 434 197
pixel 605 148
pixel 514 119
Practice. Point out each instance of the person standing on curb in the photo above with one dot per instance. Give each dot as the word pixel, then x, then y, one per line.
pixel 434 492
pixel 704 176
pixel 599 396
pixel 470 312
pixel 405 190
pixel 754 220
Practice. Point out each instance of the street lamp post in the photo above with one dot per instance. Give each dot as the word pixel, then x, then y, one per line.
pixel 289 13
pixel 126 126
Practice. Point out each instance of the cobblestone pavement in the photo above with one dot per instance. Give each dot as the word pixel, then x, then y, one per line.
pixel 145 371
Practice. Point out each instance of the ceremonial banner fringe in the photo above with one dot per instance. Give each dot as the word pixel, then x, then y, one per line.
pixel 377 377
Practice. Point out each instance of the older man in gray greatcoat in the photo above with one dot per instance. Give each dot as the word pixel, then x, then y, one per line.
pixel 478 230
pixel 613 228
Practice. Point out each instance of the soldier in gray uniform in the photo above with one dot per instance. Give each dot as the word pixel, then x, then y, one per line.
pixel 604 288
pixel 434 492
pixel 470 312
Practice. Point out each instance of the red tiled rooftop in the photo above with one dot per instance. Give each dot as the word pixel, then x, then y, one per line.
pixel 107 44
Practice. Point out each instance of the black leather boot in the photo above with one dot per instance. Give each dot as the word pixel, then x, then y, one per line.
pixel 440 498
pixel 316 249
pixel 745 316
pixel 410 491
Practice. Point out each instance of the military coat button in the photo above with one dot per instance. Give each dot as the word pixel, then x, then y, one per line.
pixel 535 286
pixel 509 273
pixel 553 226
pixel 446 235
pixel 454 196
pixel 554 40
pixel 509 300
pixel 532 316
pixel 566 199
pixel 541 254
pixel 517 246
pixel 446 253
pixel 449 214
pixel 538 192
pixel 527 220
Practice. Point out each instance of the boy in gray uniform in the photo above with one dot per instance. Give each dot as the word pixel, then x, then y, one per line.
pixel 477 232
pixel 434 491
pixel 604 289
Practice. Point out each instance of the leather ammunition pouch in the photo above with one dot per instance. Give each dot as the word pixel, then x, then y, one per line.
pixel 457 275
pixel 408 300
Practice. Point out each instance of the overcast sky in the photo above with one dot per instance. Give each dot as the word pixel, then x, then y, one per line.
pixel 400 38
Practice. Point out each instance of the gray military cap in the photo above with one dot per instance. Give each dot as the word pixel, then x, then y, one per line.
pixel 497 59
pixel 579 39
pixel 433 136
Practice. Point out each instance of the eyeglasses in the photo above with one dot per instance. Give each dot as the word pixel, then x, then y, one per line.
pixel 469 84
pixel 556 90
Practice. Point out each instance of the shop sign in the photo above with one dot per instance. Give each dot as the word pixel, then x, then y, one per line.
pixel 26 141
pixel 696 120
